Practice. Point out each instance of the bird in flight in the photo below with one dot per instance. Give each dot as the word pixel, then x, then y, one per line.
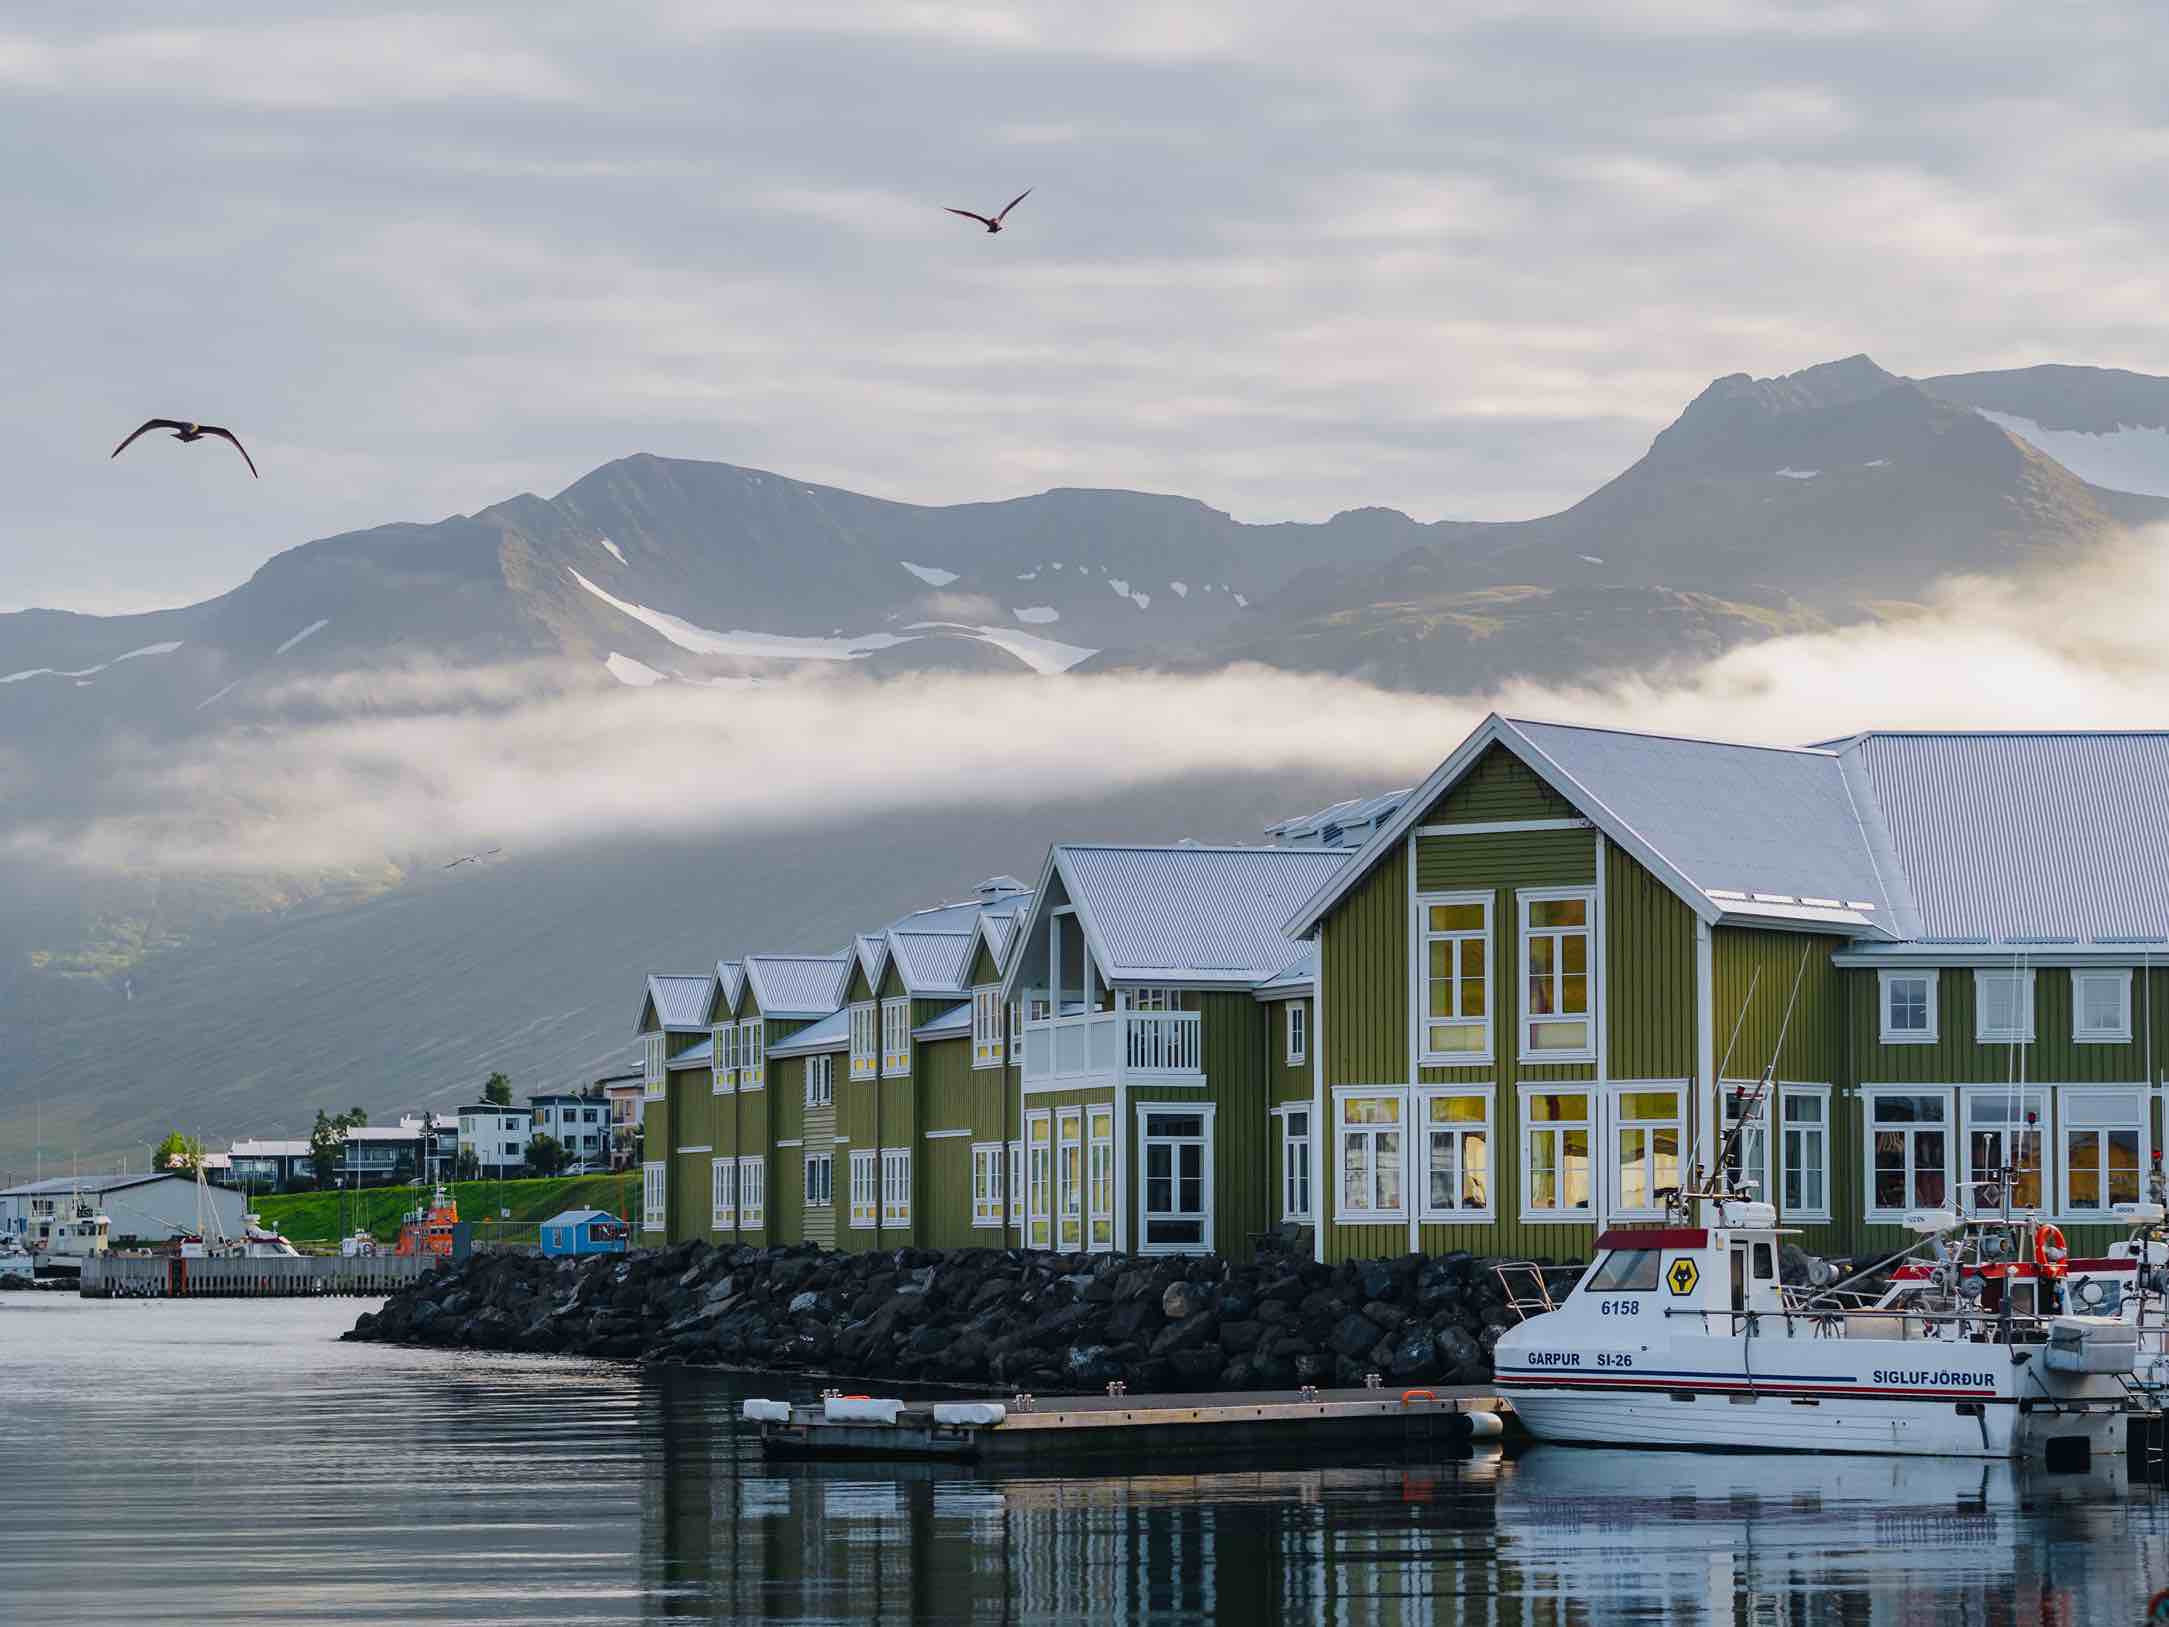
pixel 995 224
pixel 191 432
pixel 474 858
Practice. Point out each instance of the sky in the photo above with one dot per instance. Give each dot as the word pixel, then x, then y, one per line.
pixel 1286 258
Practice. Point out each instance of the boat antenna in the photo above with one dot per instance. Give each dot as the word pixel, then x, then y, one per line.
pixel 1694 1175
pixel 1769 1073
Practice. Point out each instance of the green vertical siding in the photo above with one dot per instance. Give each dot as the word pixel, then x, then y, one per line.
pixel 1497 786
pixel 1286 1081
pixel 1237 1047
pixel 1649 988
pixel 1364 945
pixel 1957 1057
pixel 786 1195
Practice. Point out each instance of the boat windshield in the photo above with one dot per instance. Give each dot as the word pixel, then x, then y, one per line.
pixel 1625 1271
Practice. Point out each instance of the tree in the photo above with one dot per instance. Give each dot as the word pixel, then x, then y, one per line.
pixel 328 1136
pixel 178 1152
pixel 498 1091
pixel 466 1167
pixel 545 1154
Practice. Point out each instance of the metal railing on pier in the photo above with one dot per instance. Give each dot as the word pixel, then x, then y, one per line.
pixel 173 1276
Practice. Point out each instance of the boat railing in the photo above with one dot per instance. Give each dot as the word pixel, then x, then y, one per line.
pixel 1528 1285
pixel 1881 1322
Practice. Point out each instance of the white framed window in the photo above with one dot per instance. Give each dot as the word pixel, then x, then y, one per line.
pixel 895 1038
pixel 865 1041
pixel 1297 1026
pixel 895 1186
pixel 1557 1177
pixel 865 1188
pixel 987 1183
pixel 1804 1151
pixel 752 1193
pixel 653 1194
pixel 1154 1000
pixel 1908 1004
pixel 2002 1125
pixel 1747 1166
pixel 2101 1005
pixel 2002 1006
pixel 820 1081
pixel 723 1066
pixel 1013 1189
pixel 1909 1149
pixel 1100 1178
pixel 1453 956
pixel 1069 1179
pixel 1295 1164
pixel 1557 975
pixel 722 1190
pixel 1371 1142
pixel 1649 1126
pixel 2105 1152
pixel 752 1054
pixel 1175 1197
pixel 1039 1180
pixel 1016 1033
pixel 987 1027
pixel 1455 1126
pixel 651 1078
pixel 820 1180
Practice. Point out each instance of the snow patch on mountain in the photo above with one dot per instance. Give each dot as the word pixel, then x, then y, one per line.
pixel 1036 613
pixel 2128 458
pixel 309 631
pixel 1181 590
pixel 1876 463
pixel 637 674
pixel 1027 576
pixel 1241 603
pixel 1589 559
pixel 616 552
pixel 1043 655
pixel 82 674
pixel 1797 474
pixel 738 641
pixel 932 575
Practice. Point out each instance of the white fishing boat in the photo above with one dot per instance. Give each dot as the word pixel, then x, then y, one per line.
pixel 259 1242
pixel 15 1260
pixel 1685 1336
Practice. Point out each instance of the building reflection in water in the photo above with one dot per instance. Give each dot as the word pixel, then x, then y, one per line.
pixel 1554 1538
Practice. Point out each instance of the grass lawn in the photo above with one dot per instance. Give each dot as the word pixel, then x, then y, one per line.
pixel 316 1217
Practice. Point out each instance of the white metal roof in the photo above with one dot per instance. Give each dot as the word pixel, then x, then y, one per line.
pixel 831 1033
pixel 797 985
pixel 956 1020
pixel 931 962
pixel 679 1002
pixel 730 976
pixel 95 1183
pixel 694 1056
pixel 268 1149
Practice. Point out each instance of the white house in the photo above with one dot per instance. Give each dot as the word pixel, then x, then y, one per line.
pixel 580 1124
pixel 497 1136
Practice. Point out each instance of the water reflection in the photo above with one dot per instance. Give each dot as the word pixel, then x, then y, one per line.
pixel 230 1462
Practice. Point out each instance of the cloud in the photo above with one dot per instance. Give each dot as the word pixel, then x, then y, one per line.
pixel 339 772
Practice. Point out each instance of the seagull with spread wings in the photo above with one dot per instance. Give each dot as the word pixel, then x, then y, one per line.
pixel 473 858
pixel 995 224
pixel 191 432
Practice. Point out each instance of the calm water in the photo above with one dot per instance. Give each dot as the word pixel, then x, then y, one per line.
pixel 230 1462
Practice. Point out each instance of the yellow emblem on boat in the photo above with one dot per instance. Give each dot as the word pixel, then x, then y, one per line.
pixel 1683 1274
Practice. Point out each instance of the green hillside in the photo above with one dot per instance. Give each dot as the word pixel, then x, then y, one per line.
pixel 325 1217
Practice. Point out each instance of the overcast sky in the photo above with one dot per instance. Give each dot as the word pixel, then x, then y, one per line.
pixel 1287 258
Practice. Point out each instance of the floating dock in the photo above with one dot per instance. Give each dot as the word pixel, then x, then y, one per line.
pixel 171 1276
pixel 1127 1425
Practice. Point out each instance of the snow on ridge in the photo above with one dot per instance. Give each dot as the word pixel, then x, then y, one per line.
pixel 1036 613
pixel 636 674
pixel 1027 576
pixel 314 627
pixel 1143 601
pixel 1181 590
pixel 1120 585
pixel 1589 559
pixel 616 552
pixel 82 674
pixel 740 641
pixel 1876 463
pixel 2130 457
pixel 1043 655
pixel 1241 603
pixel 1797 474
pixel 932 575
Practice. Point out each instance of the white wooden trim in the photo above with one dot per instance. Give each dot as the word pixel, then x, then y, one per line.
pixel 1406 1213
pixel 793 1142
pixel 1321 1195
pixel 1501 827
pixel 1607 1200
pixel 1143 1111
pixel 1419 1155
pixel 948 1135
pixel 1701 1109
pixel 1523 898
pixel 1599 976
pixel 1953 1128
pixel 1827 1094
pixel 2080 1034
pixel 1884 1034
pixel 704 1147
pixel 2024 1035
pixel 1598 1163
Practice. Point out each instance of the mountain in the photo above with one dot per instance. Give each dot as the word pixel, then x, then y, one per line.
pixel 134 1001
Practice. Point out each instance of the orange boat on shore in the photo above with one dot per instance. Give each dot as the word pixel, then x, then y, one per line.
pixel 429 1230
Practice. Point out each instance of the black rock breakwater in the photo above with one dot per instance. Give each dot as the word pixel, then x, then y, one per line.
pixel 1006 1319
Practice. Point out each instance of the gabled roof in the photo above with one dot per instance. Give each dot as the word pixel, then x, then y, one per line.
pixel 956 1020
pixel 997 932
pixel 831 1033
pixel 92 1184
pixel 674 1004
pixel 797 985
pixel 1294 979
pixel 1757 835
pixel 578 1217
pixel 1344 824
pixel 730 984
pixel 1186 915
pixel 931 962
pixel 2022 839
pixel 873 952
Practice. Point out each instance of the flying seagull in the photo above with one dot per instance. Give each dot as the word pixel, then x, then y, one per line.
pixel 474 858
pixel 995 224
pixel 191 432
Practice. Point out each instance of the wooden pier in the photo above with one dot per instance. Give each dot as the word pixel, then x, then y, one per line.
pixel 170 1276
pixel 1134 1427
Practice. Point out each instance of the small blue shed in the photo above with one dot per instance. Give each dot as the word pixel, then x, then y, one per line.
pixel 585 1231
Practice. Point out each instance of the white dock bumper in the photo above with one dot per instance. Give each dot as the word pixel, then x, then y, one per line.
pixel 970 1412
pixel 766 1412
pixel 860 1409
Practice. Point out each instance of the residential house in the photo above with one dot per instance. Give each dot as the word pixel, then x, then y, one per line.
pixel 497 1137
pixel 580 1124
pixel 271 1166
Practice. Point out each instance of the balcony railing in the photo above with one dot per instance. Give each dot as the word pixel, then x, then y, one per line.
pixel 1101 1044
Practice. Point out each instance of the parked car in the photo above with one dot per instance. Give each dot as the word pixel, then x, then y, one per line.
pixel 587 1166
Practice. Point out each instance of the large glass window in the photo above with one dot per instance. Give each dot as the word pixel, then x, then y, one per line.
pixel 651 1077
pixel 1014 1187
pixel 722 1184
pixel 1747 1158
pixel 820 1081
pixel 1176 1200
pixel 724 1063
pixel 865 1188
pixel 1456 1130
pixel 987 1184
pixel 1298 1036
pixel 1555 975
pixel 820 1178
pixel 2101 1006
pixel 2004 1127
pixel 987 1027
pixel 1068 1180
pixel 1455 955
pixel 865 1044
pixel 895 1186
pixel 1371 1158
pixel 2002 1007
pixel 752 1193
pixel 1295 1165
pixel 895 1038
pixel 1909 1007
pixel 1100 1178
pixel 652 1196
pixel 2105 1149
pixel 1806 1151
pixel 1555 1153
pixel 1908 1151
pixel 752 1057
pixel 1647 1130
pixel 1039 1222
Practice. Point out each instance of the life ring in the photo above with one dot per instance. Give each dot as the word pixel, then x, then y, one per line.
pixel 2051 1256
